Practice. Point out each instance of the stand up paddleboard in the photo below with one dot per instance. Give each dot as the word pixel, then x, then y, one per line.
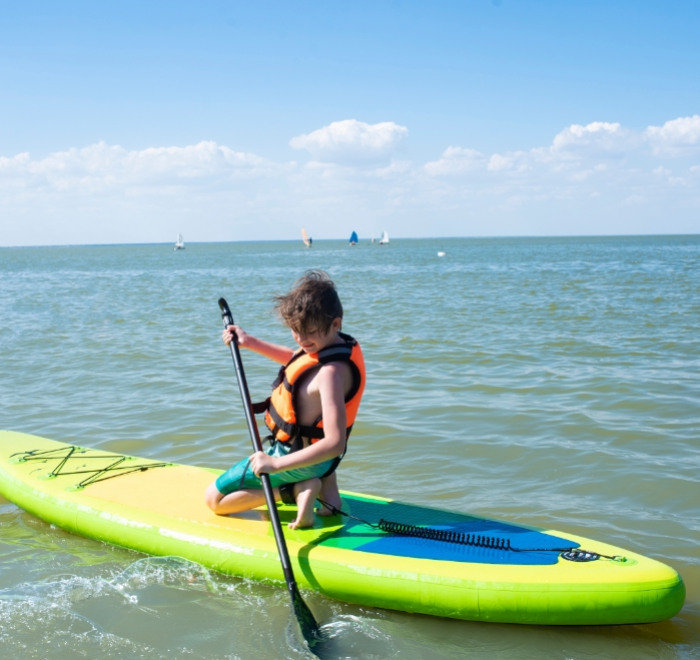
pixel 378 553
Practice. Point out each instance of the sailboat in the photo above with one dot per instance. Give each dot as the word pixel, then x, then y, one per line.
pixel 353 238
pixel 179 243
pixel 384 240
pixel 305 237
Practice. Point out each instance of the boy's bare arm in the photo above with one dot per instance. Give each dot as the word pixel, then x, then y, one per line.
pixel 275 352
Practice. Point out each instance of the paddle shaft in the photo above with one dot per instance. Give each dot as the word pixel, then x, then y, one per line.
pixel 306 619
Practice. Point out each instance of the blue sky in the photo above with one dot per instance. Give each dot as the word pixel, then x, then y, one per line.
pixel 131 121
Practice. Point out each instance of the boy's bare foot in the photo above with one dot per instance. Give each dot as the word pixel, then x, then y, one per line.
pixel 328 509
pixel 330 496
pixel 305 493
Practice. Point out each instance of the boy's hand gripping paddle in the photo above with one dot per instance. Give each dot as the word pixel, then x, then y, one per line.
pixel 307 623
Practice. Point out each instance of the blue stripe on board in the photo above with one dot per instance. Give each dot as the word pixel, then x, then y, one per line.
pixel 532 546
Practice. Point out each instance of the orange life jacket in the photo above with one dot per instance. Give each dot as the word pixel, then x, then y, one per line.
pixel 281 411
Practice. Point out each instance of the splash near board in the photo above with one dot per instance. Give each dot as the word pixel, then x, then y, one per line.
pixel 378 553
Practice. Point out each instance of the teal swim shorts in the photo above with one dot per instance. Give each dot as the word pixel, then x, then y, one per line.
pixel 240 476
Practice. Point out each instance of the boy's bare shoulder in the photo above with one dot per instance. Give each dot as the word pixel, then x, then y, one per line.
pixel 337 374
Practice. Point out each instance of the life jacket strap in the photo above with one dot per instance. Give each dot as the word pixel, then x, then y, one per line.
pixel 261 406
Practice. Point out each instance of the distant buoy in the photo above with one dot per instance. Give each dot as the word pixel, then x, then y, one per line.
pixel 441 254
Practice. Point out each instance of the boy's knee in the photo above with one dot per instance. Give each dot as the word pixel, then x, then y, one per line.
pixel 212 497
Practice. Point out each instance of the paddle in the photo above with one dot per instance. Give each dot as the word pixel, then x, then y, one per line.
pixel 307 623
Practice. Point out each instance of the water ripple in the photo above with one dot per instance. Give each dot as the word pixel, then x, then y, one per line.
pixel 549 381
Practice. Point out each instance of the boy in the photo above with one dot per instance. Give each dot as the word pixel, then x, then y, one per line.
pixel 310 412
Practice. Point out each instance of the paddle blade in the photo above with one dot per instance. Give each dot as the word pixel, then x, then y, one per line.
pixel 319 642
pixel 307 623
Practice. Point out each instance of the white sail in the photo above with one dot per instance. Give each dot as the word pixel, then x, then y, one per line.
pixel 179 243
pixel 384 239
pixel 306 238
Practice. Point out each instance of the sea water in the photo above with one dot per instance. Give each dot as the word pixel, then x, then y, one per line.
pixel 548 381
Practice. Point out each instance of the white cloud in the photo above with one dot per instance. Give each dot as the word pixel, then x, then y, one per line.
pixel 579 150
pixel 112 166
pixel 517 161
pixel 106 193
pixel 676 137
pixel 352 142
pixel 597 136
pixel 457 160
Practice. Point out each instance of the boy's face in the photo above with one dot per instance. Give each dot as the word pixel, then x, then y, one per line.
pixel 314 341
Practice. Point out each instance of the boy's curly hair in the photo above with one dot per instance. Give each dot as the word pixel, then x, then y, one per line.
pixel 311 305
